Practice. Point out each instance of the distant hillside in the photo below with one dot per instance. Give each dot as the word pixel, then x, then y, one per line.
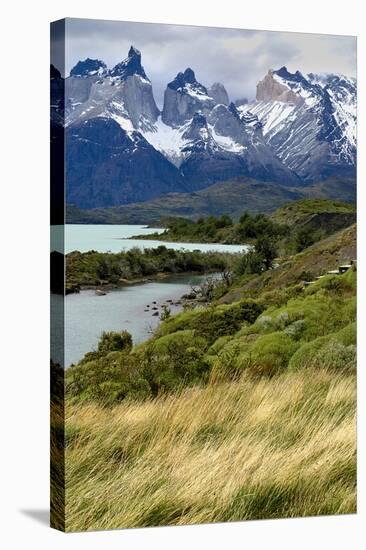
pixel 328 216
pixel 340 189
pixel 231 197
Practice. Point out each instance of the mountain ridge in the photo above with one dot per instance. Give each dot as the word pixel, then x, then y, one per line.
pixel 231 197
pixel 300 130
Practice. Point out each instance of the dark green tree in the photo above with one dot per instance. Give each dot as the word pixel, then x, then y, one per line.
pixel 266 247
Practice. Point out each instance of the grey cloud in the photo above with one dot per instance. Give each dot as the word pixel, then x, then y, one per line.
pixel 237 58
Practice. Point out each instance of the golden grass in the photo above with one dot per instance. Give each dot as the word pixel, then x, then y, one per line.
pixel 280 447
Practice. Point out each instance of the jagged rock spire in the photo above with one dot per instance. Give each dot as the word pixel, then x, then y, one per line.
pixel 129 66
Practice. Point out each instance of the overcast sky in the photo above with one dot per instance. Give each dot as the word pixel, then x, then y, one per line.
pixel 237 58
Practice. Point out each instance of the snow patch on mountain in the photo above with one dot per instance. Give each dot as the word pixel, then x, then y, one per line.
pixel 226 143
pixel 302 127
pixel 272 114
pixel 169 141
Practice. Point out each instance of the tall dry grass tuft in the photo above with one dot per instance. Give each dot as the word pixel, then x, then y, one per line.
pixel 249 449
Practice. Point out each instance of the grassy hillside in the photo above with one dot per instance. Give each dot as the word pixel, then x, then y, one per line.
pixel 299 211
pixel 326 214
pixel 313 261
pixel 279 447
pixel 231 198
pixel 241 409
pixel 340 189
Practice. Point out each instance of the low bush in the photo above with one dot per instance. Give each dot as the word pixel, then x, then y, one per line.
pixel 271 353
pixel 214 321
pixel 115 341
pixel 334 351
pixel 108 380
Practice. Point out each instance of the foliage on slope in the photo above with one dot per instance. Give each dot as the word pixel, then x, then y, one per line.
pixel 221 341
pixel 314 261
pixel 230 412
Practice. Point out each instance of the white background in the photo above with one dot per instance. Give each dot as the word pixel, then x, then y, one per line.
pixel 24 379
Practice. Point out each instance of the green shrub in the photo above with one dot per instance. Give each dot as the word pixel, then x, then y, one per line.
pixel 321 314
pixel 173 360
pixel 295 329
pixel 306 355
pixel 336 356
pixel 271 353
pixel 348 335
pixel 215 321
pixel 249 263
pixel 218 345
pixel 109 379
pixel 115 341
pixel 166 313
pixel 332 352
pixel 181 339
pixel 223 320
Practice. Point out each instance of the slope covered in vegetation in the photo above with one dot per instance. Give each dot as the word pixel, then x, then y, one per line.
pixel 240 409
pixel 313 261
pixel 293 227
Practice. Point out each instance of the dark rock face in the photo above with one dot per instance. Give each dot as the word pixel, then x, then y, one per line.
pixel 57 145
pixel 88 67
pixel 184 97
pixel 301 129
pixel 130 66
pixel 182 79
pixel 106 166
pixel 57 96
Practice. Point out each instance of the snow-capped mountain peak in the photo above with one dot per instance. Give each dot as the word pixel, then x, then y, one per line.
pixel 309 120
pixel 301 128
pixel 218 92
pixel 124 94
pixel 186 83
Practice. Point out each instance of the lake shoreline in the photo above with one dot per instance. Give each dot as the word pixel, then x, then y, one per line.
pixel 122 238
pixel 160 276
pixel 136 308
pixel 172 240
pixel 116 284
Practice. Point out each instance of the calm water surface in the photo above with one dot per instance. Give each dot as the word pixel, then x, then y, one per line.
pixel 114 238
pixel 88 315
